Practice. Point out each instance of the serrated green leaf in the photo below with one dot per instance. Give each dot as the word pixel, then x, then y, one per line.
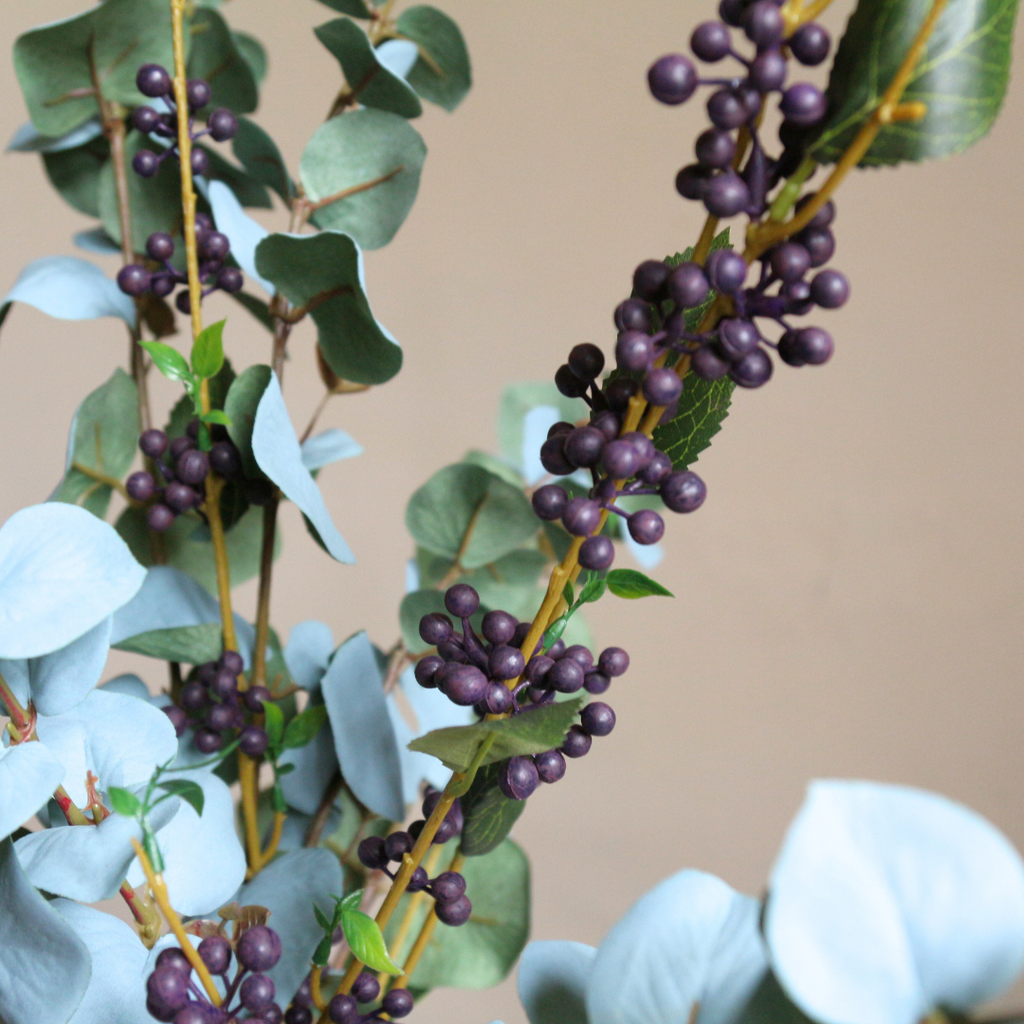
pixel 703 406
pixel 530 732
pixel 208 350
pixel 442 74
pixel 631 584
pixel 169 361
pixel 489 814
pixel 273 723
pixel 961 78
pixel 188 790
pixel 364 938
pixel 193 645
pixel 217 58
pixel 303 727
pixel 240 405
pixel 124 802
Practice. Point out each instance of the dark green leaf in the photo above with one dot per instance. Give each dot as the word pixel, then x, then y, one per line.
pixel 242 400
pixel 962 77
pixel 169 361
pixel 442 73
pixel 188 790
pixel 364 938
pixel 75 174
pixel 273 723
pixel 531 732
pixel 355 8
pixel 124 802
pixel 324 271
pixel 247 189
pixel 193 645
pixel 257 152
pixel 217 58
pixel 369 80
pixel 53 62
pixel 303 727
pixel 593 589
pixel 254 54
pixel 321 918
pixel 466 511
pixel 702 407
pixel 509 582
pixel 377 152
pixel 489 814
pixel 322 953
pixel 208 350
pixel 481 952
pixel 632 584
pixel 104 435
pixel 499 467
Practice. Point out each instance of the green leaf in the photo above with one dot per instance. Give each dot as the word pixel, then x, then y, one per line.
pixel 355 8
pixel 188 790
pixel 517 400
pixel 962 77
pixel 216 416
pixel 489 814
pixel 554 632
pixel 248 190
pixel 273 723
pixel 568 593
pixel 324 272
pixel 442 73
pixel 104 434
pixel 169 361
pixel 531 732
pixel 321 918
pixel 370 81
pixel 702 407
pixel 256 307
pixel 53 62
pixel 240 405
pixel 631 584
pixel 377 152
pixel 257 152
pixel 193 645
pixel 481 952
pixel 351 901
pixel 208 350
pixel 303 727
pixel 593 590
pixel 364 938
pixel 254 54
pixel 322 953
pixel 217 58
pixel 466 511
pixel 184 410
pixel 75 174
pixel 124 802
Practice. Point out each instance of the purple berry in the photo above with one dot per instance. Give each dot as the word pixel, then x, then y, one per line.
pixel 553 458
pixel 649 280
pixel 365 988
pixel 753 370
pixel 597 719
pixel 222 124
pixel 549 501
pixel 790 261
pixel 167 989
pixel 688 285
pixel 174 958
pixel 662 386
pixel 814 345
pixel 764 24
pixel 230 280
pixel 820 244
pixel 581 517
pixel 596 683
pixel 506 663
pixel 342 1009
pixel 145 119
pixel 633 315
pixel 803 105
pixel 133 280
pixel 193 696
pixel 518 778
pixel 659 467
pixel 736 338
pixel 397 845
pixel 448 887
pixel 576 743
pixel 726 195
pixel 199 161
pixel 586 361
pixel 259 948
pixel 214 246
pixel 710 41
pixel 726 109
pixel 706 365
pixel 254 698
pixel 646 526
pixel 692 181
pixel 583 446
pixel 581 655
pixel 810 44
pixel 372 853
pixel 153 80
pixel 550 765
pixel 565 675
pixel 597 553
pixel 568 383
pixel 198 92
pixel 192 467
pixel 499 627
pixel 465 685
pixel 683 492
pixel 215 952
pixel 498 699
pixel 768 71
pixel 435 628
pixel 303 1015
pixel 177 717
pixel 825 215
pixel 634 351
pixel 732 12
pixel 613 661
pixel 153 443
pixel 397 1003
pixel 225 460
pixel 727 271
pixel 207 741
pixel 830 289
pixel 461 600
pixel 455 913
pixel 183 302
pixel 618 393
pixel 672 79
pixel 159 518
pixel 231 661
pixel 426 669
pixel 253 741
pixel 181 445
pixel 140 486
pixel 180 497
pixel 145 163
pixel 715 149
pixel 257 990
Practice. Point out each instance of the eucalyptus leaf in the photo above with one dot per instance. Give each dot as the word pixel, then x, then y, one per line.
pixel 244 232
pixel 552 981
pixel 519 445
pixel 70 288
pixel 193 645
pixel 489 814
pixel 631 584
pixel 189 791
pixel 241 403
pixel 365 168
pixel 414 606
pixel 442 74
pixel 364 938
pixel 75 173
pixel 217 58
pixel 257 152
pixel 354 8
pixel 29 774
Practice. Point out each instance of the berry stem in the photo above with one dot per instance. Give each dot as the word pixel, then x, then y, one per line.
pixel 315 975
pixel 247 777
pixel 790 192
pixel 415 902
pixel 158 887
pixel 259 654
pixel 109 481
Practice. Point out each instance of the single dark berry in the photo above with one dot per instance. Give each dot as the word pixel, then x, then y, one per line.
pixel 207 741
pixel 153 80
pixel 498 698
pixel 177 717
pixel 225 460
pixel 397 845
pixel 683 492
pixel 159 518
pixel 803 105
pixel 183 302
pixel 549 502
pixel 167 988
pixel 662 386
pixel 764 25
pixel 613 661
pixel 182 444
pixel 583 446
pixel 586 361
pixel 199 161
pixel 646 526
pixel 220 717
pixel 397 1003
pixel 133 280
pixel 145 163
pixel 140 486
pixel 448 887
pixel 597 719
pixel 192 467
pixel 222 124
pixel 426 668
pixel 597 553
pixel 596 683
pixel 726 195
pixel 230 280
pixel 465 685
pixel 193 696
pixel 733 12
pixel 537 669
pixel 418 881
pixel 455 913
pixel 372 853
pixel 688 285
pixel 253 741
pixel 160 246
pixel 342 1009
pixel 199 1013
pixel 633 315
pixel 707 365
pixel 257 990
pixel 620 459
pixel 215 952
pixel 830 289
pixel 230 661
pixel 214 246
pixel 304 994
pixel 434 628
pixel 145 119
pixel 581 517
pixel 658 467
pixel 618 392
pixel 810 44
pixel 820 244
pixel 304 1015
pixel 565 675
pixel 581 655
pixel 461 600
pixel 753 370
pixel 259 948
pixel 161 284
pixel 814 345
pixel 198 92
pixel 174 958
pixel 180 497
pixel 634 351
pixel 254 698
pixel 768 71
pixel 672 79
pixel 270 1014
pixel 824 217
pixel 736 338
pixel 506 663
pixel 517 779
pixel 153 443
pixel 715 149
pixel 649 280
pixel 710 41
pixel 553 458
pixel 726 109
pixel 499 627
pixel 577 742
pixel 550 765
pixel 557 650
pixel 692 181
pixel 727 271
pixel 203 224
pixel 365 988
pixel 790 261
pixel 451 651
pixel 568 383
pixel 560 428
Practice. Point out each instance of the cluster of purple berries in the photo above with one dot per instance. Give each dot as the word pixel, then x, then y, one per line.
pixel 173 995
pixel 155 81
pixel 213 247
pixel 211 704
pixel 184 468
pixel 344 1009
pixel 448 889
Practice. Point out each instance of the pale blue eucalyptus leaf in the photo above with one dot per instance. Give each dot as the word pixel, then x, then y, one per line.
pixel 244 232
pixel 117 988
pixel 398 56
pixel 131 685
pixel 328 446
pixel 27 140
pixel 119 739
pixel 45 966
pixel 415 766
pixel 86 862
pixel 276 450
pixel 62 572
pixel 204 863
pixel 412 576
pixel 308 652
pixel 97 241
pixel 60 680
pixel 289 887
pixel 69 288
pixel 364 739
pixel 536 424
pixel 296 827
pixel 29 774
pixel 552 981
pixel 647 556
pixel 690 942
pixel 887 902
pixel 315 766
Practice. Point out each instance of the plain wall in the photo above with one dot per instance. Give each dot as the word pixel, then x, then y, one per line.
pixel 848 601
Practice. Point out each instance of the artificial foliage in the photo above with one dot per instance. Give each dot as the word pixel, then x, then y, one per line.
pixel 368 858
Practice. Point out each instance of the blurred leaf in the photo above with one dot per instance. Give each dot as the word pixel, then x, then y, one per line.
pixel 241 403
pixel 124 802
pixel 193 645
pixel 417 604
pixel 304 726
pixel 75 174
pixel 217 58
pixel 208 353
pixel 257 152
pixel 257 307
pixel 442 74
pixel 253 53
pixel 355 8
pixel 188 790
pixel 629 583
pixel 489 814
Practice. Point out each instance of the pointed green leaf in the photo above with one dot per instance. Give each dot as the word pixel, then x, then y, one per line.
pixel 124 802
pixel 593 589
pixel 194 645
pixel 631 584
pixel 257 152
pixel 208 350
pixel 216 416
pixel 442 74
pixel 489 814
pixel 364 938
pixel 169 361
pixel 188 790
pixel 322 953
pixel 321 918
pixel 351 901
pixel 304 726
pixel 273 722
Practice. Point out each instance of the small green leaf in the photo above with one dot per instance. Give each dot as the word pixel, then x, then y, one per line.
pixel 216 416
pixel 124 802
pixel 169 361
pixel 489 814
pixel 284 769
pixel 321 918
pixel 208 350
pixel 568 593
pixel 303 727
pixel 188 790
pixel 194 645
pixel 442 73
pixel 556 629
pixel 279 803
pixel 217 58
pixel 351 901
pixel 593 589
pixel 273 723
pixel 152 847
pixel 322 953
pixel 364 938
pixel 631 584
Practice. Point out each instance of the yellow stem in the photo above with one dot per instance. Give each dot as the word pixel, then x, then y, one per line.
pixel 314 988
pixel 247 776
pixel 415 902
pixel 159 890
pixel 275 840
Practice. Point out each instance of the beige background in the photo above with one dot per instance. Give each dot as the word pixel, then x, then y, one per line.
pixel 848 600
